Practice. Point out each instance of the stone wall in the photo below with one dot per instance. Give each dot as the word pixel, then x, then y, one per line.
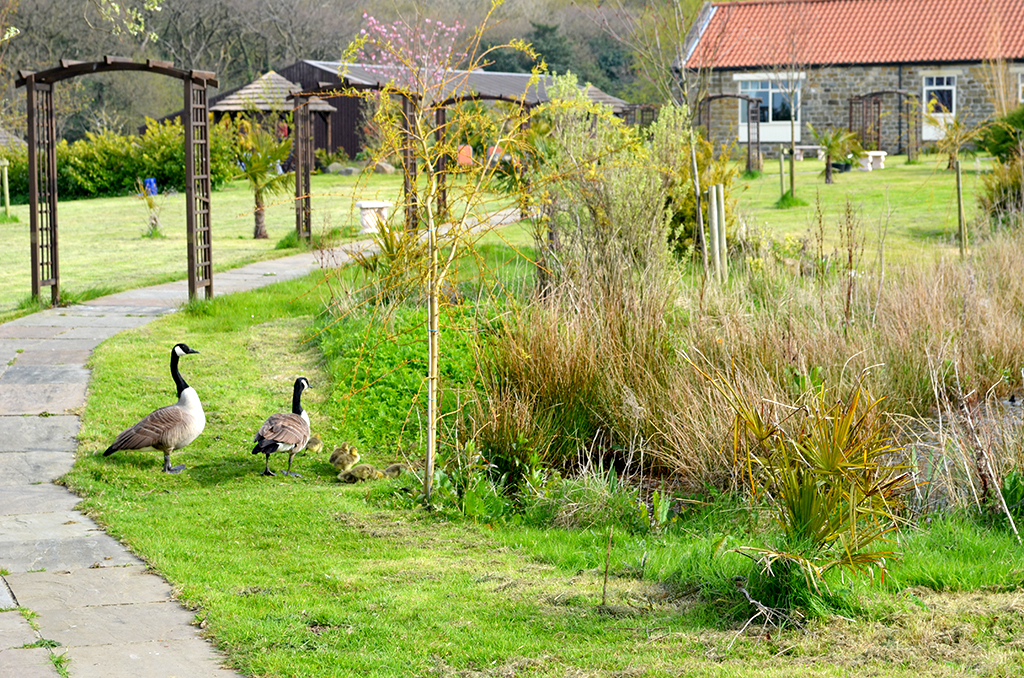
pixel 826 93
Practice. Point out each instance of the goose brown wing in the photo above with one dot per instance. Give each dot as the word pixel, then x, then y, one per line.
pixel 165 427
pixel 286 428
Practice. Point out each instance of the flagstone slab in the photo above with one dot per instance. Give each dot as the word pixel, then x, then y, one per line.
pixel 115 624
pixel 89 587
pixel 46 525
pixel 31 662
pixel 19 374
pixel 89 332
pixel 53 356
pixel 12 331
pixel 19 469
pixel 48 498
pixel 98 549
pixel 15 631
pixel 39 398
pixel 191 658
pixel 38 434
pixel 7 599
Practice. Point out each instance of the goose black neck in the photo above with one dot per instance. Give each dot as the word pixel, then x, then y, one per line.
pixel 297 400
pixel 179 382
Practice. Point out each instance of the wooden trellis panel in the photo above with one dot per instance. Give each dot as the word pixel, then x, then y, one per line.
pixel 197 189
pixel 42 178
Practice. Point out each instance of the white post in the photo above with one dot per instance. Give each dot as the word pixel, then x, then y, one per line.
pixel 716 254
pixel 721 232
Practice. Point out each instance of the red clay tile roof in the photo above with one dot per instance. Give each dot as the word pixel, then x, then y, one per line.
pixel 824 32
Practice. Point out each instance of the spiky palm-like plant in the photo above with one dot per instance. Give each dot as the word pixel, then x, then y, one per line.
pixel 260 156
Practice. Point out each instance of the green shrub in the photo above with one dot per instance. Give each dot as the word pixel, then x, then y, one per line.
pixel 108 164
pixel 1003 138
pixel 1002 194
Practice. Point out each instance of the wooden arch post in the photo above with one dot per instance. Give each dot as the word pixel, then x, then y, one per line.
pixel 302 154
pixel 753 123
pixel 42 166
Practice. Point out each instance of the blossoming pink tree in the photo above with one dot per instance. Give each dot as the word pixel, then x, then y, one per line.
pixel 422 69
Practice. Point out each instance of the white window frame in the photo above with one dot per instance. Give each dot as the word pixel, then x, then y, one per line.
pixel 772 131
pixel 949 82
pixel 1020 88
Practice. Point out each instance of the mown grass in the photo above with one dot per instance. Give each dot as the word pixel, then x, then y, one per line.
pixel 102 243
pixel 917 202
pixel 307 577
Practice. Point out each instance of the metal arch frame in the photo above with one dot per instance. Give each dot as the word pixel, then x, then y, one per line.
pixel 871 103
pixel 304 146
pixel 753 123
pixel 42 165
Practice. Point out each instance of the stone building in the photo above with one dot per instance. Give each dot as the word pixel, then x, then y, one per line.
pixel 873 66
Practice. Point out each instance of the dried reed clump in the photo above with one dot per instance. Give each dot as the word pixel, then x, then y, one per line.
pixel 597 365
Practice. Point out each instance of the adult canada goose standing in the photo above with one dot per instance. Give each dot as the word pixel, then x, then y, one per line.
pixel 168 428
pixel 285 432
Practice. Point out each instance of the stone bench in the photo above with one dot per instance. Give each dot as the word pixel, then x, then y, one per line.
pixel 371 214
pixel 800 150
pixel 872 160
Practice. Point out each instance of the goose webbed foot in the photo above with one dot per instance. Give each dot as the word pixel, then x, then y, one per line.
pixel 289 473
pixel 268 472
pixel 171 469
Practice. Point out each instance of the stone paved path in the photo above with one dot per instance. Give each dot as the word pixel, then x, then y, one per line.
pixel 112 617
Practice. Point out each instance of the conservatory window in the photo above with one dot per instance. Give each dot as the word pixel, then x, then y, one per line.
pixel 940 93
pixel 779 99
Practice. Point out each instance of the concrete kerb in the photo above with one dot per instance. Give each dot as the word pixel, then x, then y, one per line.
pixel 111 615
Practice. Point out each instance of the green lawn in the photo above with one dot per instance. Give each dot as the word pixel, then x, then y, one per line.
pixel 102 248
pixel 921 196
pixel 308 577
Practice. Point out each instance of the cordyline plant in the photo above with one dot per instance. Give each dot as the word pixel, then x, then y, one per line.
pixel 260 155
pixel 422 69
pixel 827 473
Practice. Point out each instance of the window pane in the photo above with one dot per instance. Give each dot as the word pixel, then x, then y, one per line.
pixel 929 82
pixel 940 100
pixel 780 107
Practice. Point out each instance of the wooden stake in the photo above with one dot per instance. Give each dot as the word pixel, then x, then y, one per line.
pixel 607 561
pixel 960 211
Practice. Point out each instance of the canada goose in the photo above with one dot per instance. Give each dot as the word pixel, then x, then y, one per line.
pixel 285 432
pixel 343 458
pixel 360 472
pixel 168 428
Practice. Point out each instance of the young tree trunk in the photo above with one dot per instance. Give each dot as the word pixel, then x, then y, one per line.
pixel 259 231
pixel 828 169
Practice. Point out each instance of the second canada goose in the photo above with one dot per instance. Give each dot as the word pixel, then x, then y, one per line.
pixel 285 432
pixel 168 428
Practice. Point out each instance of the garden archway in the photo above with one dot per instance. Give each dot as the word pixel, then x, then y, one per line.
pixel 865 118
pixel 42 165
pixel 753 123
pixel 515 88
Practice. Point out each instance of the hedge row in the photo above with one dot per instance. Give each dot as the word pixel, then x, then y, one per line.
pixel 108 164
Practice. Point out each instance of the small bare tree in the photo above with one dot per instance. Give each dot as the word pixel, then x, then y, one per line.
pixel 422 66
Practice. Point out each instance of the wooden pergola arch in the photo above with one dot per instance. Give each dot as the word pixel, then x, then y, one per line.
pixel 42 165
pixel 865 118
pixel 303 155
pixel 753 123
